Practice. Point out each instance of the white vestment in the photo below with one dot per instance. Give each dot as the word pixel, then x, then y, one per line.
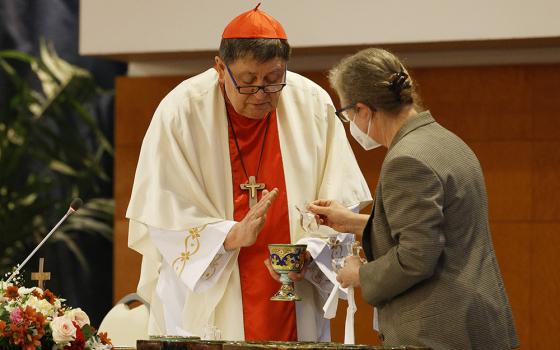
pixel 181 206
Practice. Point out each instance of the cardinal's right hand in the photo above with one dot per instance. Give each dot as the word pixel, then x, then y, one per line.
pixel 245 232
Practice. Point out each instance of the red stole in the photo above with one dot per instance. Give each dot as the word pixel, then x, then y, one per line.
pixel 263 319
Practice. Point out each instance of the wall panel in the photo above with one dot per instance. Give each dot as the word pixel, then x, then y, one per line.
pixel 545 287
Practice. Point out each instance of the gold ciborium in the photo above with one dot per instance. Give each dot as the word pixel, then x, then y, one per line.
pixel 286 258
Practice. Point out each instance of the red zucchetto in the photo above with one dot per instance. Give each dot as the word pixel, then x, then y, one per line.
pixel 254 24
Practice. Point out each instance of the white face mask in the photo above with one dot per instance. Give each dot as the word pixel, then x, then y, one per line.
pixel 363 139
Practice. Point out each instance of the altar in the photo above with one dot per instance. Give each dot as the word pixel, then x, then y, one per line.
pixel 198 344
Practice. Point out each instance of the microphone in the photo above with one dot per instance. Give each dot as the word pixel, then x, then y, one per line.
pixel 74 206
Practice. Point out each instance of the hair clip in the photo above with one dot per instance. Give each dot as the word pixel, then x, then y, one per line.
pixel 399 81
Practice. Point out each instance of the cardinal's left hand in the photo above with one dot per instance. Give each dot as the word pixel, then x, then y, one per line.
pixel 294 276
pixel 349 275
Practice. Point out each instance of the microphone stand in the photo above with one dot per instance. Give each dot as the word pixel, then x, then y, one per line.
pixel 70 211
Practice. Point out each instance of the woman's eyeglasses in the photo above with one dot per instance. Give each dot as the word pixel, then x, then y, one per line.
pixel 342 113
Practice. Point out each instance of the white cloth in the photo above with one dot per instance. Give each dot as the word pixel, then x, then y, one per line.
pixel 331 305
pixel 183 182
pixel 336 292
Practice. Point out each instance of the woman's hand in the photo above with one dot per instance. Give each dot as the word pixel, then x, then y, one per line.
pixel 333 214
pixel 349 275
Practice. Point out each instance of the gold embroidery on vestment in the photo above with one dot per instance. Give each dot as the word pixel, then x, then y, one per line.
pixel 192 244
pixel 211 270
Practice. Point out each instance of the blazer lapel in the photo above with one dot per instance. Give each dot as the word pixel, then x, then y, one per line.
pixel 368 230
pixel 366 238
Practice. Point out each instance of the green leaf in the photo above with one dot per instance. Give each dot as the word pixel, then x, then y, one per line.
pixel 63 168
pixel 28 200
pixel 17 55
pixel 88 331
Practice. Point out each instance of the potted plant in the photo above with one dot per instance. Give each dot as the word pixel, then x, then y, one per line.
pixel 51 150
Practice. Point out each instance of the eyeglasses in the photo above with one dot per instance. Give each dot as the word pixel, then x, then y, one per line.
pixel 253 89
pixel 342 113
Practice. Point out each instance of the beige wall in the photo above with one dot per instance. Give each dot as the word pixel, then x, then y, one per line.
pixel 156 26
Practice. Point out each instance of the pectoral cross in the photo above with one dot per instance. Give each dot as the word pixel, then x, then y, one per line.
pixel 252 186
pixel 41 276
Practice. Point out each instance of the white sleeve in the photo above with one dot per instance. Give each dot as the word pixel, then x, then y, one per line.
pixel 196 255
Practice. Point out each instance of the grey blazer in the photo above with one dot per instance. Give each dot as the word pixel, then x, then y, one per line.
pixel 432 271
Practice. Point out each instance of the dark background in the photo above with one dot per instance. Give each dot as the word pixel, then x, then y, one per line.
pixel 22 24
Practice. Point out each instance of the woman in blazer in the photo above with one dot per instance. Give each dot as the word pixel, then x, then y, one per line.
pixel 432 272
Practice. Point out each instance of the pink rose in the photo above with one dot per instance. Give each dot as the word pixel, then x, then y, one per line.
pixel 63 330
pixel 78 316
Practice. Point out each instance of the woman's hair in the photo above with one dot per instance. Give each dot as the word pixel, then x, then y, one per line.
pixel 261 50
pixel 376 78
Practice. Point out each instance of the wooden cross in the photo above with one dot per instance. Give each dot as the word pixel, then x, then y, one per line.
pixel 41 276
pixel 252 186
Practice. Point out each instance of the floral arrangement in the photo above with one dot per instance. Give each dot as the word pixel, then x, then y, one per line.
pixel 31 318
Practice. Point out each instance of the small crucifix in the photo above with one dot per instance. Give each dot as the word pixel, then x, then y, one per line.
pixel 252 186
pixel 41 276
